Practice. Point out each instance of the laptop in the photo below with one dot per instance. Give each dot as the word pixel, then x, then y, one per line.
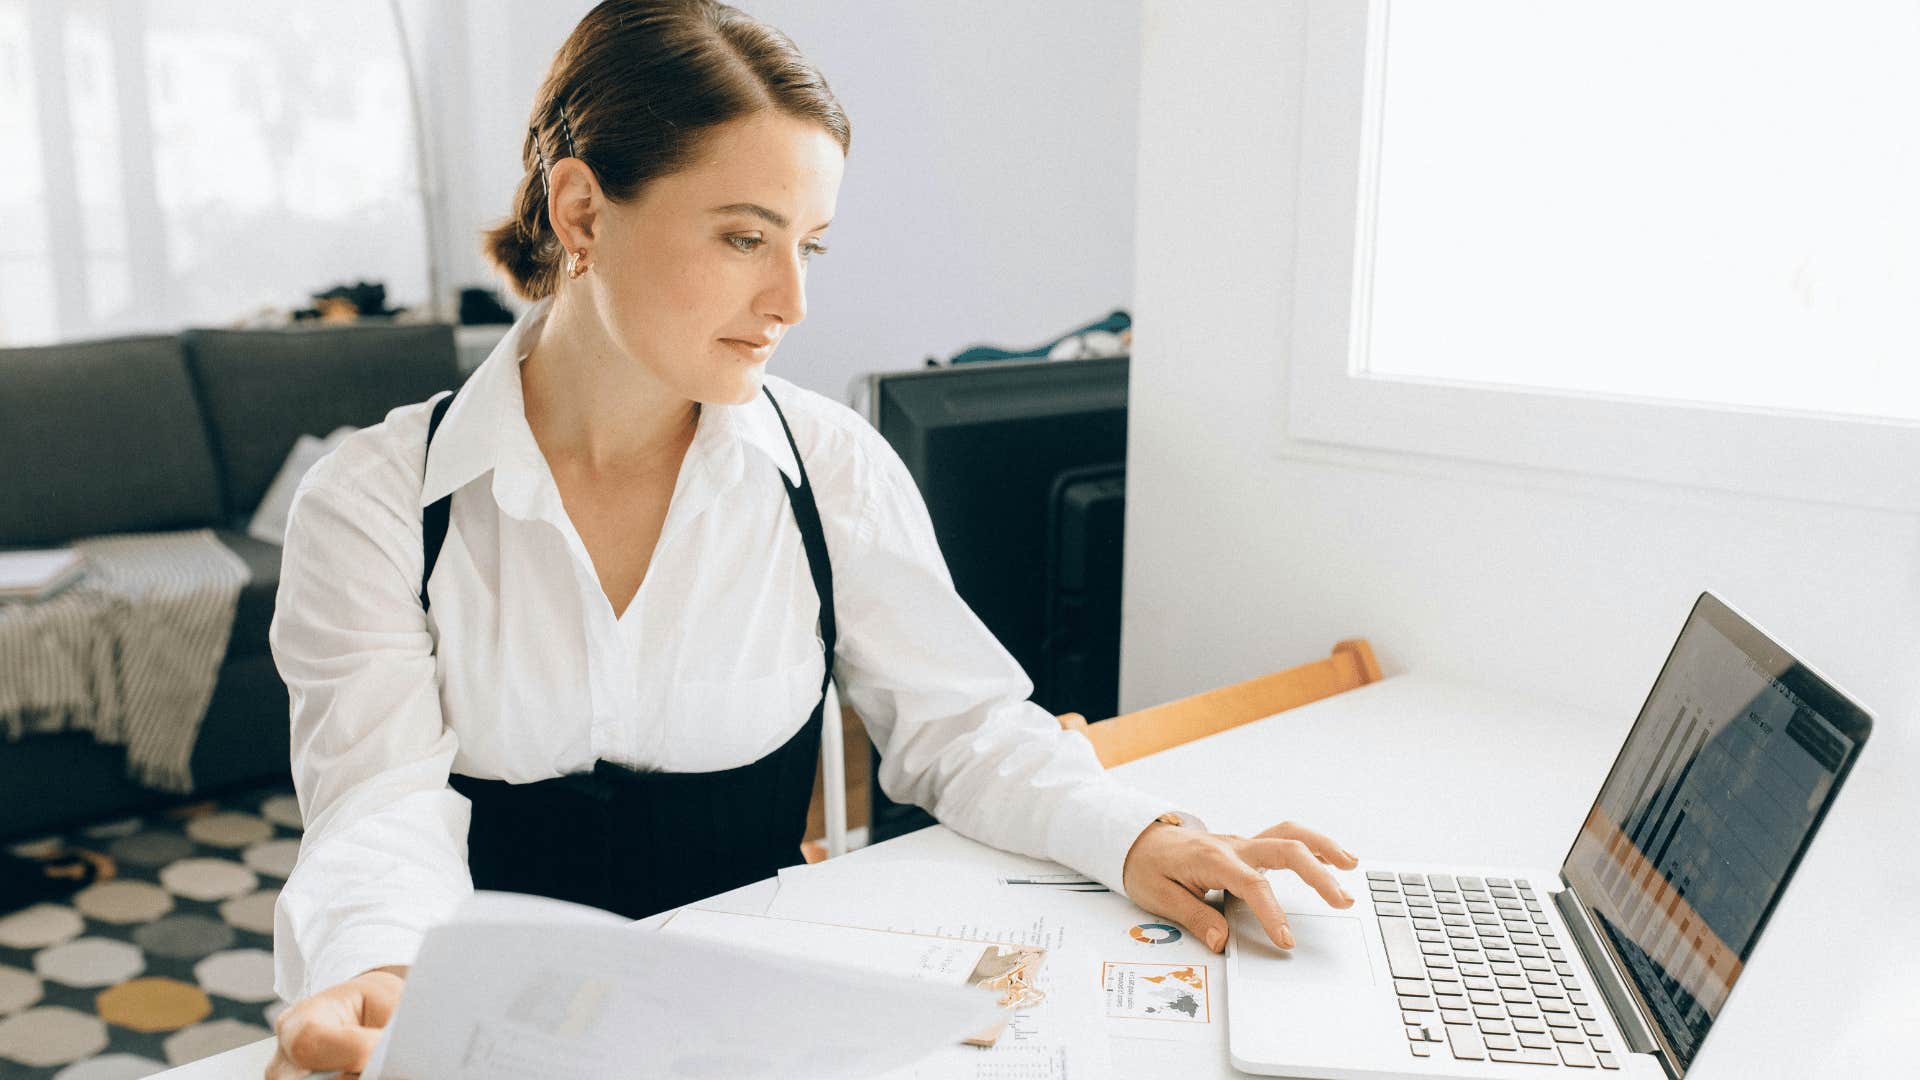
pixel 1617 963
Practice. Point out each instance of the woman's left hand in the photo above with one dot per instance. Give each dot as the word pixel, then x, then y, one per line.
pixel 1170 868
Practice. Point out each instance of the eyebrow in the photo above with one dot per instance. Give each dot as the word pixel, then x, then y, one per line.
pixel 778 221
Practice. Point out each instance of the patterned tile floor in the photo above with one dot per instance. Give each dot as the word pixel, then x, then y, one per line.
pixel 169 961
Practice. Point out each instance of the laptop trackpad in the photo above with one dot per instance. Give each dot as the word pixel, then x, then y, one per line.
pixel 1327 949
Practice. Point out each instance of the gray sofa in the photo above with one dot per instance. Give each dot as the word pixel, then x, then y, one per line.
pixel 153 433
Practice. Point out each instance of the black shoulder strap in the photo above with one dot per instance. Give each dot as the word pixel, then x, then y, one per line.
pixel 433 520
pixel 806 514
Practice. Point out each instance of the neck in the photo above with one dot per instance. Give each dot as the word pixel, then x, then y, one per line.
pixel 593 407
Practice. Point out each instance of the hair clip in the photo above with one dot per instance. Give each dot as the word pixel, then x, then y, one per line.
pixel 539 155
pixel 566 132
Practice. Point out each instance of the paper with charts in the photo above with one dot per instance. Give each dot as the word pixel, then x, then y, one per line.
pixel 1167 993
pixel 1063 1037
pixel 1157 980
pixel 519 986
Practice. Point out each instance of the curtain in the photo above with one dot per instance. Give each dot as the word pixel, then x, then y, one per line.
pixel 172 164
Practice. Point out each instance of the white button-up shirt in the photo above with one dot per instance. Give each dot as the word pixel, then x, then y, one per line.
pixel 521 672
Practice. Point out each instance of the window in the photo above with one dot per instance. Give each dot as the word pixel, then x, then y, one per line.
pixel 188 164
pixel 1655 240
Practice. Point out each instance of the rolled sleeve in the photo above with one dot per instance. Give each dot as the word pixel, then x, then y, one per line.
pixel 383 855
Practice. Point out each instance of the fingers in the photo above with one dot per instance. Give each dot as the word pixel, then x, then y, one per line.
pixel 1250 885
pixel 322 1043
pixel 379 997
pixel 1323 849
pixel 282 1069
pixel 1296 856
pixel 1199 918
pixel 1176 869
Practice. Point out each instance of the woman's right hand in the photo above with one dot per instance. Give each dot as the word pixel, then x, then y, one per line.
pixel 337 1028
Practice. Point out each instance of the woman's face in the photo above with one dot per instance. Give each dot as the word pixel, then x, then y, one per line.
pixel 701 276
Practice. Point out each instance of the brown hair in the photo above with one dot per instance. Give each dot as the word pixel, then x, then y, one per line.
pixel 632 94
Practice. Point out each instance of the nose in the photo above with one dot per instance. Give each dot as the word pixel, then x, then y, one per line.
pixel 784 296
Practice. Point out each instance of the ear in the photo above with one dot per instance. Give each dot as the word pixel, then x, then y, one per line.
pixel 573 203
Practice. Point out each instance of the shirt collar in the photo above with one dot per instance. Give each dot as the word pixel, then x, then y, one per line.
pixel 486 429
pixel 756 424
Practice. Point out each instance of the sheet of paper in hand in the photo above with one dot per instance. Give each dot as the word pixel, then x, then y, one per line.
pixel 517 986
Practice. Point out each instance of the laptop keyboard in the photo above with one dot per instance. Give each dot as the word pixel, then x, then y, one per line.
pixel 1480 973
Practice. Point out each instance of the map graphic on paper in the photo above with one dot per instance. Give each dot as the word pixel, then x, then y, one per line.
pixel 1158 992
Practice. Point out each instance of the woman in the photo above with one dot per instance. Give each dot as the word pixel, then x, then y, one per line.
pixel 569 630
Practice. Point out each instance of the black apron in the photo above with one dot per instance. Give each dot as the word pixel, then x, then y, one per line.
pixel 635 842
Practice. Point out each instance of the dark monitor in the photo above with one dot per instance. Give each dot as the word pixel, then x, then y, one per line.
pixel 986 443
pixel 1086 548
pixel 1734 760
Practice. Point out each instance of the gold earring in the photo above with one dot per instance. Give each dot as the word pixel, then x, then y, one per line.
pixel 575 265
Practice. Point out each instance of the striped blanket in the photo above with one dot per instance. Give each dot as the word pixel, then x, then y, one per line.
pixel 129 652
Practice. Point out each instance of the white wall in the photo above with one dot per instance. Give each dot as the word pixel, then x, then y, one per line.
pixel 989 196
pixel 1247 552
pixel 479 64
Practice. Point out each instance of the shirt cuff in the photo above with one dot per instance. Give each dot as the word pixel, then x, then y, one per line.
pixel 359 949
pixel 1186 819
pixel 1096 827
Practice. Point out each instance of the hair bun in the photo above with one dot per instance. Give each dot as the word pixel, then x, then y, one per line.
pixel 651 78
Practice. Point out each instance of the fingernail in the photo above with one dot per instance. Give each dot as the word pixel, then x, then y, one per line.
pixel 1286 937
pixel 1215 939
pixel 1350 855
pixel 1345 896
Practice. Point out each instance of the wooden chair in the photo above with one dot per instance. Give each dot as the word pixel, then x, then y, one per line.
pixel 854 746
pixel 1148 731
pixel 1138 734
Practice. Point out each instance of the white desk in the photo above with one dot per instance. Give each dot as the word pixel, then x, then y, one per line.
pixel 1418 768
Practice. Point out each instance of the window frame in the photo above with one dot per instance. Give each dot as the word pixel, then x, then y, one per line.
pixel 1332 399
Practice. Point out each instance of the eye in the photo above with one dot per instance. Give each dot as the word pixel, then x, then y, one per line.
pixel 747 245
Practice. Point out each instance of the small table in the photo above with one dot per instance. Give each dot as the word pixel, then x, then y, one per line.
pixel 1420 768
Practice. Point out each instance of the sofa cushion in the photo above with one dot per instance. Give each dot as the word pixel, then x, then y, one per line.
pixel 263 389
pixel 254 614
pixel 101 437
pixel 63 780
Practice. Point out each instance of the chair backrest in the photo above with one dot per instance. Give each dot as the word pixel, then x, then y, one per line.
pixel 828 819
pixel 1148 731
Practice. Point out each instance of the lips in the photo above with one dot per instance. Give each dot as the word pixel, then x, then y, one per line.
pixel 757 350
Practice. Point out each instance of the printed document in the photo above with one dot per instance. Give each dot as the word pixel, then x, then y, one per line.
pixel 1151 979
pixel 518 986
pixel 1063 1037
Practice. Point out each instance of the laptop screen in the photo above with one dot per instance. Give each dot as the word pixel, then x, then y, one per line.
pixel 1733 761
